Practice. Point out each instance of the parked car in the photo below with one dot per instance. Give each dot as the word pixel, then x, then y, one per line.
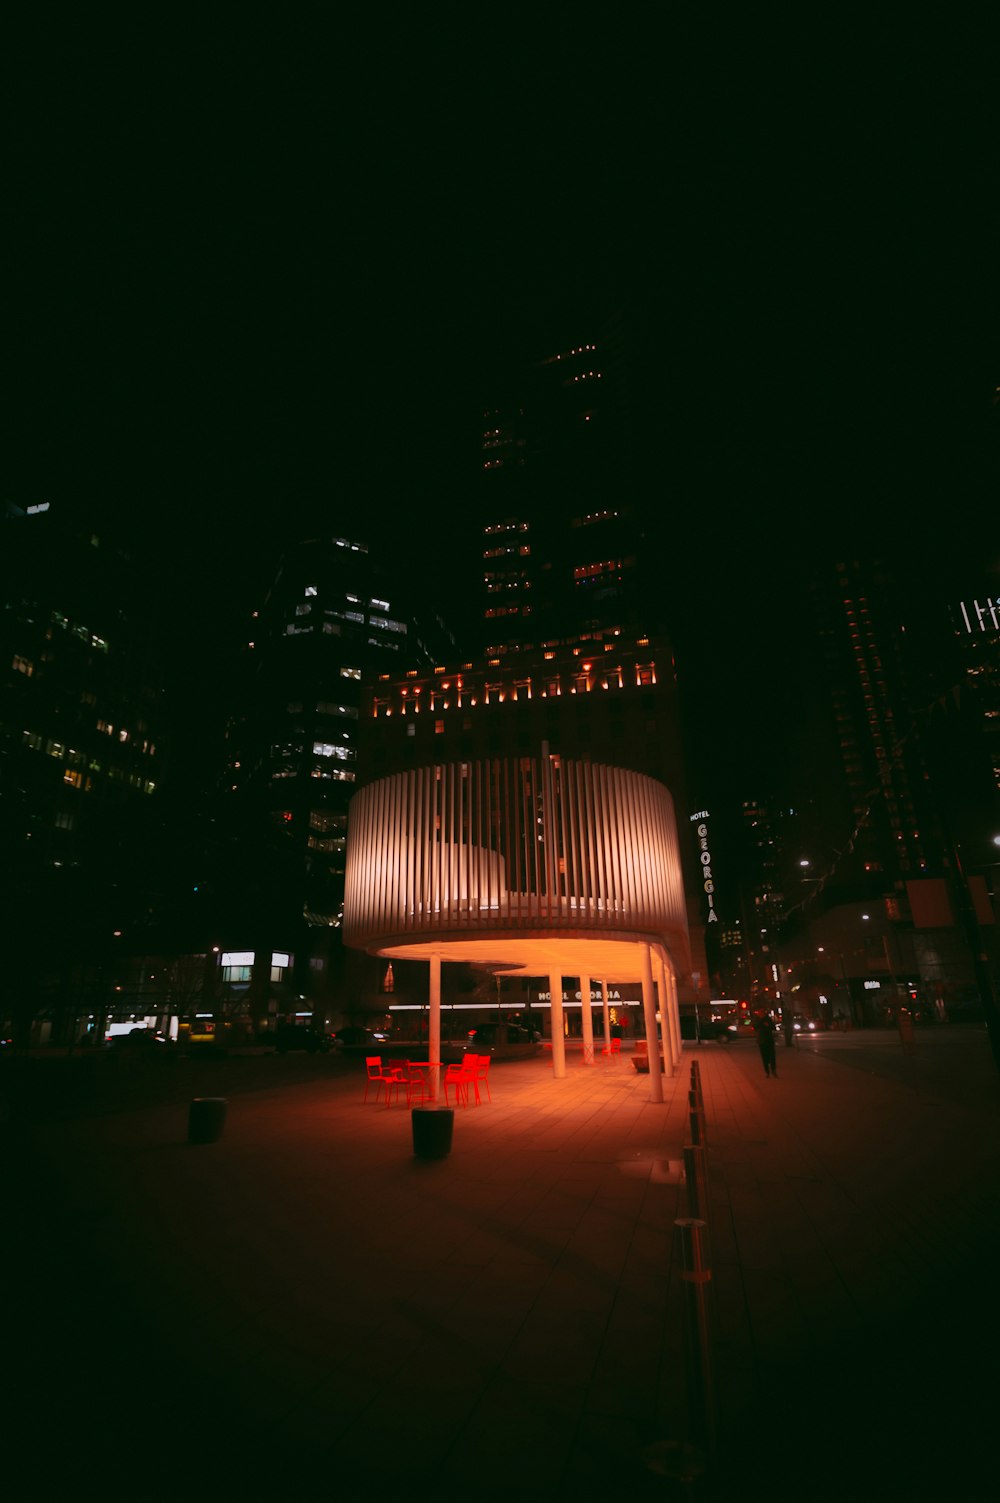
pixel 294 1036
pixel 146 1039
pixel 355 1037
pixel 503 1041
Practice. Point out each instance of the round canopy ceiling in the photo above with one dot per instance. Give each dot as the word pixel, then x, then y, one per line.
pixel 618 959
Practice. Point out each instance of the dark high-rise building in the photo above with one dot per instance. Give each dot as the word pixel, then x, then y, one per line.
pixel 81 750
pixel 854 757
pixel 326 626
pixel 572 650
pixel 559 500
pixel 874 770
pixel 325 623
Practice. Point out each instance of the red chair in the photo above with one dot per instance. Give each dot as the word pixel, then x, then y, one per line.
pixel 416 1083
pixel 483 1076
pixel 613 1050
pixel 380 1075
pixel 461 1076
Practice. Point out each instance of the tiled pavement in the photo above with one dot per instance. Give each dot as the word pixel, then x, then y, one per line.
pixel 304 1303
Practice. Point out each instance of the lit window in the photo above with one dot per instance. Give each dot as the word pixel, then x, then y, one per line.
pixel 322 819
pixel 331 749
pixel 310 589
pixel 327 707
pixel 350 672
pixel 334 774
pixel 23 665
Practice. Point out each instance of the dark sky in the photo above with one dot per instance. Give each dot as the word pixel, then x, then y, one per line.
pixel 258 280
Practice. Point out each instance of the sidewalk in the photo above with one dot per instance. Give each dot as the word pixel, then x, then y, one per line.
pixel 305 1300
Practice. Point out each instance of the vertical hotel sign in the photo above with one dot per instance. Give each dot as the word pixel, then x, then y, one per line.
pixel 980 617
pixel 700 822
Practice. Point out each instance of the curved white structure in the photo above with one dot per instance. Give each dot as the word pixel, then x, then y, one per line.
pixel 542 866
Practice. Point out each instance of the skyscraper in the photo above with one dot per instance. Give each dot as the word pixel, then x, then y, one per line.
pixel 326 625
pixel 291 738
pixel 572 662
pixel 82 749
pixel 562 554
pixel 875 775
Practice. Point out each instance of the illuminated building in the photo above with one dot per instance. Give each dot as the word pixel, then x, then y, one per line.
pixel 326 625
pixel 571 681
pixel 530 866
pixel 614 701
pixel 518 813
pixel 292 736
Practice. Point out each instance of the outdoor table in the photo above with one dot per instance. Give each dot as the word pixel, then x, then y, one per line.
pixel 426 1064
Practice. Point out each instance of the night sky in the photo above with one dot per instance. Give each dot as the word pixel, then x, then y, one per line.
pixel 258 282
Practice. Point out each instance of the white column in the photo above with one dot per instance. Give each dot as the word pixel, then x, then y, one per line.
pixel 588 1021
pixel 558 1026
pixel 675 1014
pixel 649 1014
pixel 666 999
pixel 434 1029
pixel 607 1019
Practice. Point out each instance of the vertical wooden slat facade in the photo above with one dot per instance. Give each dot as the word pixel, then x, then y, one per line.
pixel 517 844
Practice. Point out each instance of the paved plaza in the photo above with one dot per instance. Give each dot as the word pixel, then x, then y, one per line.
pixel 305 1304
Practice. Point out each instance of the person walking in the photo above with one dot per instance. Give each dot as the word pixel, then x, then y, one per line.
pixel 764 1029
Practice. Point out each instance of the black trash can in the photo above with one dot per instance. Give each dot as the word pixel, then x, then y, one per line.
pixel 432 1129
pixel 206 1119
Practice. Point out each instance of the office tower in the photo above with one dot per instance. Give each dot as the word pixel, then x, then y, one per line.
pixel 81 740
pixel 856 762
pixel 870 760
pixel 560 499
pixel 326 624
pixel 292 734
